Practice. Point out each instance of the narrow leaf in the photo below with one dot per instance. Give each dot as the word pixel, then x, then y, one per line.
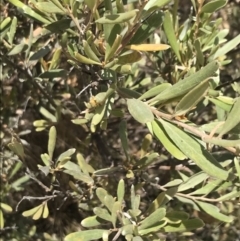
pixel 117 18
pixel 45 211
pixel 185 225
pixel 86 235
pixel 195 151
pixel 214 212
pixel 193 181
pixel 233 118
pixel 140 111
pixel 102 213
pixel 164 138
pixel 121 190
pixel 90 222
pixel 169 31
pixel 155 91
pixel 154 218
pixel 148 47
pixel 85 60
pixel 213 6
pixel 184 86
pixel 5 207
pixel 52 141
pixel 192 98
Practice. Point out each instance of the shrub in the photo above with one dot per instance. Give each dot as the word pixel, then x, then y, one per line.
pixel 126 129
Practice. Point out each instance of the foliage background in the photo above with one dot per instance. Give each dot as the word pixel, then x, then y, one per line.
pixel 24 100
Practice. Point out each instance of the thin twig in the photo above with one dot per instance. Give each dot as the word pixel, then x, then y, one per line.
pixel 35 198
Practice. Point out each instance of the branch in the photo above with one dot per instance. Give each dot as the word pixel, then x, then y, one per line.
pixel 35 198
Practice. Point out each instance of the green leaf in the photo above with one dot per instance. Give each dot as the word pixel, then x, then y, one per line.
pixel 4 23
pixel 229 196
pixel 49 7
pixel 222 142
pixel 52 141
pixel 66 154
pixel 122 69
pixel 153 229
pixel 127 93
pixel 195 151
pixel 90 222
pixel 185 85
pixel 220 104
pixel 13 29
pixel 116 209
pixel 205 190
pixel 54 73
pixel 127 229
pixel 213 211
pixel 177 215
pixel 101 193
pixel 99 114
pixel 193 181
pixel 29 11
pixel 59 26
pixel 89 52
pixel 237 165
pixel 107 171
pixel 46 159
pixel 228 47
pixel 213 6
pixel 18 49
pixel 109 201
pixel 199 52
pixel 117 18
pixel 147 160
pixel 85 60
pixel 79 175
pixel 121 190
pixel 164 138
pixel 102 213
pixel 86 235
pixel 169 31
pixel 185 225
pixel 140 111
pixel 154 218
pixel 192 98
pixel 155 4
pixel 173 183
pixel 155 91
pixel 129 57
pixel 17 147
pixel 232 119
pixel 112 50
pixel 147 27
pixel 85 167
pixel 40 53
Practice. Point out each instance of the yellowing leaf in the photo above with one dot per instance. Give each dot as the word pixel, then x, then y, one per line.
pixel 5 207
pixel 38 214
pixel 45 211
pixel 30 212
pixel 148 47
